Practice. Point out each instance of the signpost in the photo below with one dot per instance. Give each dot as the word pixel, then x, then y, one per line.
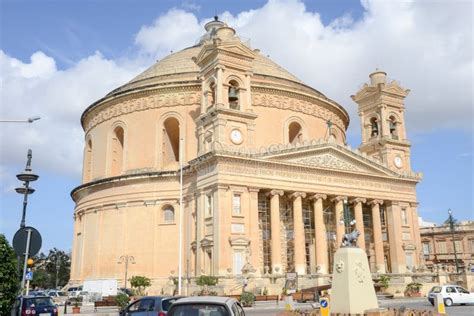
pixel 26 242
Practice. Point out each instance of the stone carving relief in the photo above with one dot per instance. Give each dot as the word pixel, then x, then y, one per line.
pixel 327 161
pixel 289 102
pixel 360 272
pixel 165 98
pixel 340 266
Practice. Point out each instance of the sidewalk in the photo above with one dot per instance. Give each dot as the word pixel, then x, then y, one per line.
pixel 88 310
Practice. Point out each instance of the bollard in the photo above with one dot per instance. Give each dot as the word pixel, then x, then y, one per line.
pixel 324 306
pixel 65 307
pixel 439 304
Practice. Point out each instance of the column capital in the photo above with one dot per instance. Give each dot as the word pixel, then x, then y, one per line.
pixel 318 196
pixel 375 201
pixel 339 198
pixel 275 192
pixel 253 189
pixel 414 204
pixel 295 195
pixel 357 200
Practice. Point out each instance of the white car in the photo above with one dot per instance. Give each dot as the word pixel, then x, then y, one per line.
pixel 452 294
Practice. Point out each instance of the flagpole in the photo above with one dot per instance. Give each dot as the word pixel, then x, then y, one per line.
pixel 180 229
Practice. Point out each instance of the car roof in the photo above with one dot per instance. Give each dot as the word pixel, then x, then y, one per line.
pixel 207 299
pixel 36 296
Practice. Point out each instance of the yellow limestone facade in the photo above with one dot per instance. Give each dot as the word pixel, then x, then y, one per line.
pixel 266 174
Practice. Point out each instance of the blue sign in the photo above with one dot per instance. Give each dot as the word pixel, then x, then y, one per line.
pixel 324 303
pixel 29 276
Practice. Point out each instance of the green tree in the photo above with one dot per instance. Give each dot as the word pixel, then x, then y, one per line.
pixel 140 283
pixel 9 286
pixel 51 269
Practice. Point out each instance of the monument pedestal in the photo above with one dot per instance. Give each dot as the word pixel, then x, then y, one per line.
pixel 352 287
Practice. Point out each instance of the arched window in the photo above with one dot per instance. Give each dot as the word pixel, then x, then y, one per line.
pixel 117 151
pixel 88 162
pixel 295 133
pixel 170 140
pixel 234 95
pixel 168 214
pixel 374 127
pixel 392 123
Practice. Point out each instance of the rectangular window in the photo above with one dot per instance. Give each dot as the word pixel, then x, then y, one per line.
pixel 236 210
pixel 238 262
pixel 458 244
pixel 208 204
pixel 404 217
pixel 441 247
pixel 426 248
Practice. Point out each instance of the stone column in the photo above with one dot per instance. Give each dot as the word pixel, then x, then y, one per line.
pixel 378 242
pixel 320 234
pixel 275 247
pixel 359 221
pixel 397 255
pixel 254 231
pixel 298 229
pixel 339 218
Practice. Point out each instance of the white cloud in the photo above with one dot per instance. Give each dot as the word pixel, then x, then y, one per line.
pixel 425 45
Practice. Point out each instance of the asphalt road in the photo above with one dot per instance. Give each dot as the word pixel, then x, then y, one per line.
pixel 264 308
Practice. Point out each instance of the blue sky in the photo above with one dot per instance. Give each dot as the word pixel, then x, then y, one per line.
pixel 57 57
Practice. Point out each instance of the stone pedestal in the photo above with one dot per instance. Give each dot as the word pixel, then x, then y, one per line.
pixel 352 287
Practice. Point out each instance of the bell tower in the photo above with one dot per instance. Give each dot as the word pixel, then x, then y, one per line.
pixel 225 64
pixel 382 116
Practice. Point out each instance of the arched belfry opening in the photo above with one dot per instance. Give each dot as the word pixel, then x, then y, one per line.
pixel 88 162
pixel 374 127
pixel 392 123
pixel 295 133
pixel 117 151
pixel 234 95
pixel 170 140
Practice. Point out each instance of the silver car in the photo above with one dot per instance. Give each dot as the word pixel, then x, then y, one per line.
pixel 206 306
pixel 150 306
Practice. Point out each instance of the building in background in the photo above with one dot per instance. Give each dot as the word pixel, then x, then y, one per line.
pixel 438 247
pixel 267 173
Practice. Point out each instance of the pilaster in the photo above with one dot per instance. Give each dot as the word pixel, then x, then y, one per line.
pixel 397 255
pixel 416 233
pixel 254 230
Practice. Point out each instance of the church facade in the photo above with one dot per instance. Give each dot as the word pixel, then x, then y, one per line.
pixel 267 179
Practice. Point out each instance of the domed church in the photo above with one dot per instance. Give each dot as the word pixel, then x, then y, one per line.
pixel 250 165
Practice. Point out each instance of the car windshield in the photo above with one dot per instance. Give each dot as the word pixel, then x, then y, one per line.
pixel 436 289
pixel 61 293
pixel 39 302
pixel 200 310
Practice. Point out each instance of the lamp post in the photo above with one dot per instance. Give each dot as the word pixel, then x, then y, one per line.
pixel 26 176
pixel 56 259
pixel 28 120
pixel 126 259
pixel 451 222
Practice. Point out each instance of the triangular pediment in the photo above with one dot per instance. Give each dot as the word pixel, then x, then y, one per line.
pixel 332 157
pixel 235 48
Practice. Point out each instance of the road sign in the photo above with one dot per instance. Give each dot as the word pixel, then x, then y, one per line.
pixel 324 306
pixel 19 241
pixel 29 276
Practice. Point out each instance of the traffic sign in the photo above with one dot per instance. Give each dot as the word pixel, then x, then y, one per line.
pixel 19 241
pixel 29 276
pixel 324 306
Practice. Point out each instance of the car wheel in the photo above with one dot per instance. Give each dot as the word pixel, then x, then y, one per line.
pixel 448 302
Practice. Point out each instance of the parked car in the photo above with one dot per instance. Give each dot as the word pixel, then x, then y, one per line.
pixel 452 294
pixel 37 293
pixel 206 305
pixel 34 305
pixel 150 306
pixel 72 291
pixel 59 297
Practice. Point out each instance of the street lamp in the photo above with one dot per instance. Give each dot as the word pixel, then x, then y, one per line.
pixel 56 259
pixel 28 120
pixel 126 259
pixel 26 176
pixel 451 222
